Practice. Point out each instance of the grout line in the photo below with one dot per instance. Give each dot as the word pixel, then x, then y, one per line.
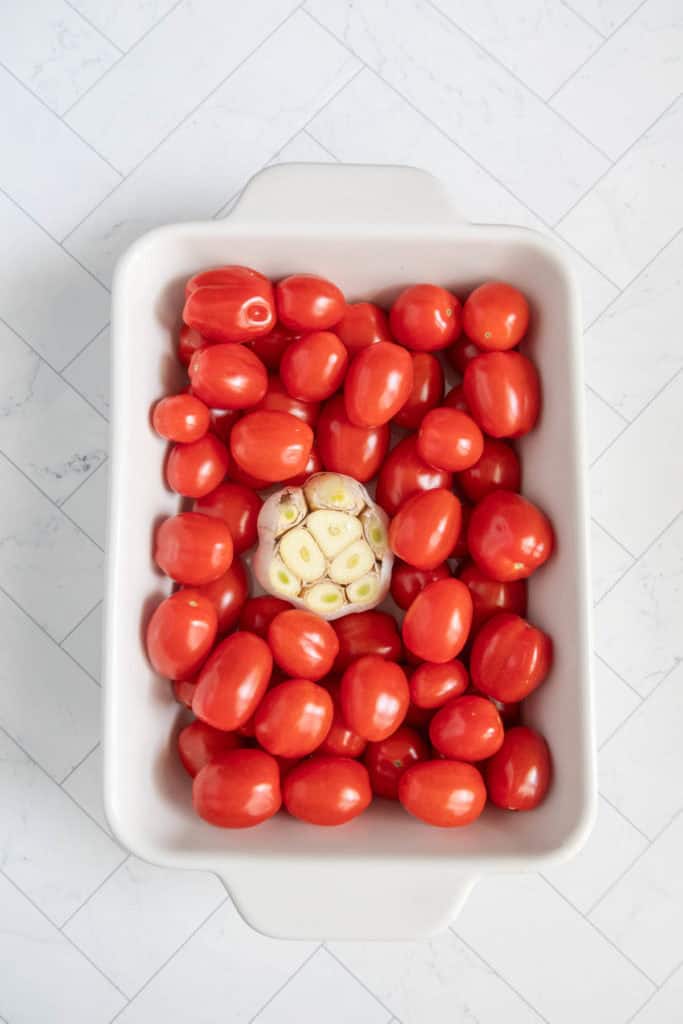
pixel 85 347
pixel 633 1018
pixel 78 764
pixel 175 952
pixel 284 985
pixel 322 144
pixel 90 896
pixel 621 814
pixel 589 387
pixel 63 501
pixel 633 690
pixel 477 954
pixel 66 937
pixel 638 707
pixel 607 533
pixel 81 621
pixel 587 23
pixel 359 980
pixel 94 27
pixel 570 245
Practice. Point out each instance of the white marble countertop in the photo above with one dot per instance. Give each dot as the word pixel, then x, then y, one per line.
pixel 118 115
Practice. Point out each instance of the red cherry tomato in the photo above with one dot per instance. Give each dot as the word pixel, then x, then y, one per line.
pixel 467 728
pixel 437 624
pixel 460 548
pixel 313 465
pixel 222 422
pixel 198 743
pixel 340 740
pixel 293 718
pixel 228 275
pixel 228 376
pixel 510 658
pixel 426 317
pixel 313 367
pixel 361 633
pixel 432 685
pixel 407 581
pixel 462 353
pixel 238 507
pixel 180 634
pixel 181 418
pixel 509 711
pixel 345 448
pixel 363 324
pixel 378 383
pixel 258 613
pixel 303 644
pixel 192 548
pixel 387 760
pixel 503 392
pixel 450 440
pixel 228 594
pixel 233 681
pixel 418 718
pixel 455 399
pixel 183 691
pixel 325 790
pixel 518 776
pixel 495 316
pixel 271 445
pixel 189 342
pixel 491 596
pixel 232 310
pixel 404 473
pixel 498 468
pixel 508 536
pixel 308 303
pixel 238 789
pixel 424 530
pixel 195 469
pixel 443 793
pixel 427 391
pixel 270 347
pixel 278 399
pixel 240 476
pixel 374 697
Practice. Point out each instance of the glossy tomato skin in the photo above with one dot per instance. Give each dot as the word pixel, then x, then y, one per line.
pixel 498 468
pixel 378 383
pixel 313 367
pixel 303 644
pixel 387 760
pixel 293 718
pixel 462 353
pixel 238 507
pixel 258 613
pixel 240 476
pixel 183 691
pixel 228 377
pixel 222 422
pixel 518 776
pixel 426 317
pixel 455 399
pixel 230 274
pixel 228 594
pixel 238 789
pixel 233 681
pixel 437 624
pixel 433 685
pixel 509 537
pixel 278 399
pixel 181 418
pixel 467 728
pixel 424 530
pixel 180 634
pixel 426 393
pixel 271 446
pixel 404 473
pixel 195 469
pixel 361 633
pixel 407 581
pixel 192 548
pixel 510 658
pixel 492 596
pixel 340 740
pixel 363 324
pixel 450 440
pixel 306 302
pixel 447 794
pixel 510 711
pixel 460 548
pixel 313 465
pixel 231 311
pixel 345 448
pixel 198 743
pixel 271 347
pixel 374 697
pixel 189 342
pixel 495 316
pixel 503 392
pixel 324 790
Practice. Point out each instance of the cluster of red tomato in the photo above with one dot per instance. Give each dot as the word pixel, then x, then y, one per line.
pixel 290 708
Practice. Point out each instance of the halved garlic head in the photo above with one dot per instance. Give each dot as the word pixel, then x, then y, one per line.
pixel 324 546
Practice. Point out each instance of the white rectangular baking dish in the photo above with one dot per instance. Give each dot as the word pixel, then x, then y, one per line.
pixel 372 230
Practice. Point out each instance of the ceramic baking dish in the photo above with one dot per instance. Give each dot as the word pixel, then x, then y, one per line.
pixel 372 230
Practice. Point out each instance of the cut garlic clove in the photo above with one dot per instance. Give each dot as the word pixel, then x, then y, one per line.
pixel 334 491
pixel 352 563
pixel 281 580
pixel 323 598
pixel 375 532
pixel 333 530
pixel 364 590
pixel 301 554
pixel 291 509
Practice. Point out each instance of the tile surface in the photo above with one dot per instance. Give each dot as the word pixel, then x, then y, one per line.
pixel 563 116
